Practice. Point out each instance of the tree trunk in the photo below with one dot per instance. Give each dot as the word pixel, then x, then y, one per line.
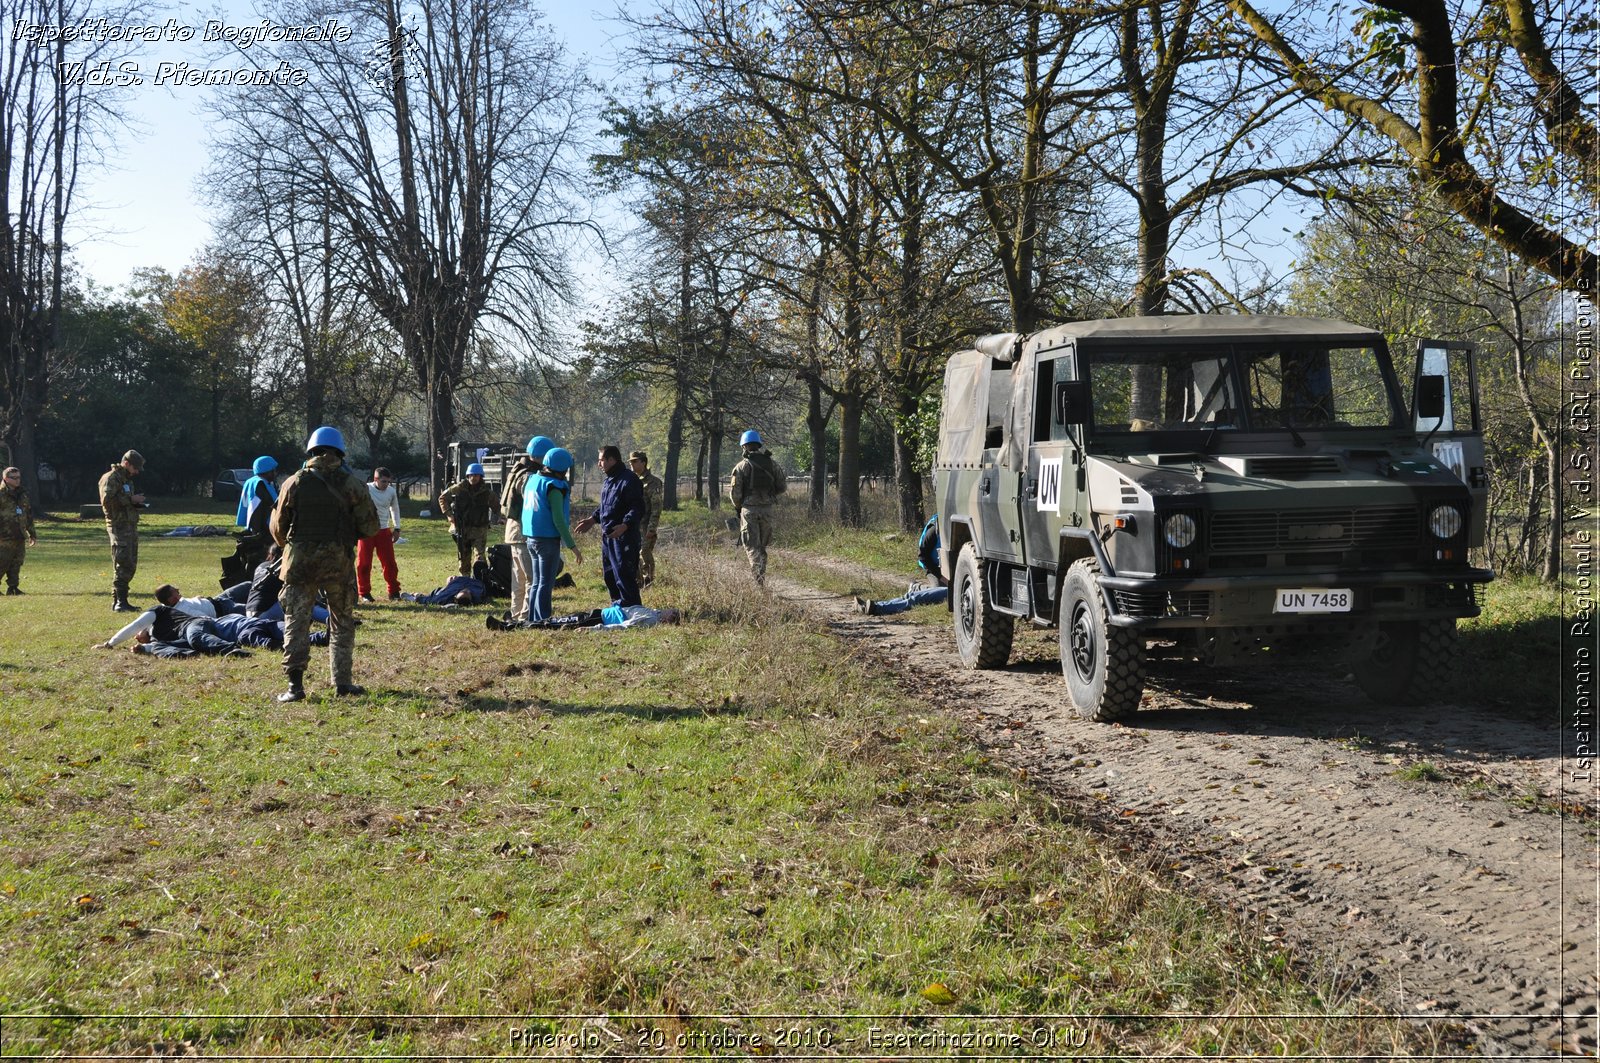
pixel 1552 553
pixel 669 488
pixel 700 472
pixel 817 428
pixel 714 470
pixel 850 407
pixel 907 480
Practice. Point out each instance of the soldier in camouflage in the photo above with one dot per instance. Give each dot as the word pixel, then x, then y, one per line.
pixel 757 483
pixel 16 528
pixel 470 506
pixel 654 492
pixel 322 511
pixel 122 504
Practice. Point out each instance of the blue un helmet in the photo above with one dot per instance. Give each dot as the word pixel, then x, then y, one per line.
pixel 539 446
pixel 326 436
pixel 474 469
pixel 557 459
pixel 264 464
pixel 750 436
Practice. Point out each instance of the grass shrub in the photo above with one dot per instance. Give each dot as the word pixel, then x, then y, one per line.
pixel 728 818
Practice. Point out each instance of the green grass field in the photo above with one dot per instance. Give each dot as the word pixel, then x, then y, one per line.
pixel 667 831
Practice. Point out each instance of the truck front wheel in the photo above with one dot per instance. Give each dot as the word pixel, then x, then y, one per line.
pixel 1104 665
pixel 983 636
pixel 1413 662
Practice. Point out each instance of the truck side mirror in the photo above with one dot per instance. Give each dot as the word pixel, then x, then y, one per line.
pixel 1072 401
pixel 1429 400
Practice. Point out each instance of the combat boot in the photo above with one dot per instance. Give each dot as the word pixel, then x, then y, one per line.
pixel 349 690
pixel 119 602
pixel 297 687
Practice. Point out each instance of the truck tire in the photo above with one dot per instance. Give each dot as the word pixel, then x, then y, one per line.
pixel 1413 663
pixel 983 636
pixel 1103 665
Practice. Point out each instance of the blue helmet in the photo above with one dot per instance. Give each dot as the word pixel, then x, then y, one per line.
pixel 474 469
pixel 326 436
pixel 264 464
pixel 539 446
pixel 750 436
pixel 557 459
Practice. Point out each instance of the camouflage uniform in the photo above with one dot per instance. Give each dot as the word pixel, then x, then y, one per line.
pixel 122 526
pixel 654 493
pixel 16 528
pixel 322 510
pixel 511 507
pixel 470 507
pixel 757 483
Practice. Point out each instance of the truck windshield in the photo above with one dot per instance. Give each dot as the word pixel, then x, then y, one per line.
pixel 1301 385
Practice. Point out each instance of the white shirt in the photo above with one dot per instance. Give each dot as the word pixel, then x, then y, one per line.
pixel 203 607
pixel 387 499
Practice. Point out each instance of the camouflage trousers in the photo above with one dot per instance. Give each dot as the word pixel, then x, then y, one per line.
pixel 470 541
pixel 124 560
pixel 647 559
pixel 755 533
pixel 297 599
pixel 11 555
pixel 521 570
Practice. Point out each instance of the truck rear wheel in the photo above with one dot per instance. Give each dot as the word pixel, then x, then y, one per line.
pixel 1103 665
pixel 1412 664
pixel 983 636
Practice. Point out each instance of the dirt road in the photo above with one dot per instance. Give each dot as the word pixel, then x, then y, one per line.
pixel 1419 853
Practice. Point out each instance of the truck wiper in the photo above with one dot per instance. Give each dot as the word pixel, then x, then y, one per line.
pixel 1298 441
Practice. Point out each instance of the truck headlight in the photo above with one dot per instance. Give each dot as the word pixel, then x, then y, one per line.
pixel 1180 530
pixel 1445 522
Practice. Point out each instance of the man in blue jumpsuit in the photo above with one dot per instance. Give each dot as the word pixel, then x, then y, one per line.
pixel 621 512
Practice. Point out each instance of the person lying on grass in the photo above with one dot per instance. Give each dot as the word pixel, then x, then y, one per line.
pixel 459 590
pixel 241 630
pixel 616 616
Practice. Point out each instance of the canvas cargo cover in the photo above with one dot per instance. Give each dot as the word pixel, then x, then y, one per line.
pixel 1205 327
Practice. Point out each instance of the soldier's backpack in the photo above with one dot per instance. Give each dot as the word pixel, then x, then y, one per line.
pixel 496 576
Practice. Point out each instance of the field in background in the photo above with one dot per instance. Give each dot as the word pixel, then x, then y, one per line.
pixel 729 818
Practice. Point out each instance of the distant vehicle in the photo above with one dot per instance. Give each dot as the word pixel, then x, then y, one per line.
pixel 496 459
pixel 229 483
pixel 1215 485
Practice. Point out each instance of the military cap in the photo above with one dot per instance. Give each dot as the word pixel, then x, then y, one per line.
pixel 134 458
pixel 639 455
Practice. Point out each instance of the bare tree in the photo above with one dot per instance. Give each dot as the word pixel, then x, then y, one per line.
pixel 443 140
pixel 52 119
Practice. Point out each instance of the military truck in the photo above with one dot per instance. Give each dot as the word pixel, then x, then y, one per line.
pixel 1211 487
pixel 496 459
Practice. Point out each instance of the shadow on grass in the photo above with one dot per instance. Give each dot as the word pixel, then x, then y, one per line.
pixel 496 703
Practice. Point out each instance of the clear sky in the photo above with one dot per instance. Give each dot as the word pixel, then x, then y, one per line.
pixel 142 208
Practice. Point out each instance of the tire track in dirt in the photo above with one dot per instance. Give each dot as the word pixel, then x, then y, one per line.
pixel 1284 794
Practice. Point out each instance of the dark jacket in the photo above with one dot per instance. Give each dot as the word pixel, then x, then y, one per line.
pixel 621 500
pixel 265 586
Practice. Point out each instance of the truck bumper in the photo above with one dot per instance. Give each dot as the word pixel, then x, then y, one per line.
pixel 1249 601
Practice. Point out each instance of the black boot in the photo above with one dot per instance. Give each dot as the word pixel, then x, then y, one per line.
pixel 297 688
pixel 119 602
pixel 349 690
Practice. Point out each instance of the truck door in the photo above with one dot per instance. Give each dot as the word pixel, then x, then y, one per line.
pixel 1050 491
pixel 1000 483
pixel 1456 438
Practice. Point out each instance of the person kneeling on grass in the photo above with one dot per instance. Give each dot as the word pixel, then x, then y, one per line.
pixel 610 616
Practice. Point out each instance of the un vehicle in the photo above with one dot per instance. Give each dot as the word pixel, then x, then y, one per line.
pixel 1211 486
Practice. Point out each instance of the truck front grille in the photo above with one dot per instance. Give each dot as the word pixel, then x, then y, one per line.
pixel 1306 531
pixel 1163 603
